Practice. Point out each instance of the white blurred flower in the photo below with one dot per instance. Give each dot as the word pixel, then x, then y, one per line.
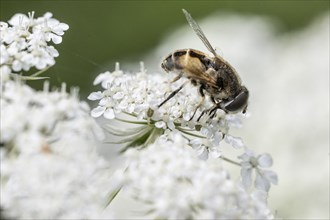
pixel 49 165
pixel 25 41
pixel 51 116
pixel 173 183
pixel 264 178
pixel 69 183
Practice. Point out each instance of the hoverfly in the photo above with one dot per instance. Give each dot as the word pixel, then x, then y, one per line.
pixel 212 74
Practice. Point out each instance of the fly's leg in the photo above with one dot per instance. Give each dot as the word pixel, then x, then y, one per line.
pixel 176 78
pixel 213 100
pixel 213 110
pixel 173 94
pixel 201 91
pixel 203 112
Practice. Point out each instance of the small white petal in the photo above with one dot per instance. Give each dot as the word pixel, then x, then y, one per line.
pixel 236 142
pixel 160 124
pixel 56 39
pixel 246 156
pixel 271 176
pixel 265 160
pixel 19 19
pixel 95 96
pixel 109 113
pixel 52 51
pixel 215 152
pixel 48 15
pixel 105 101
pixel 118 95
pixel 246 174
pixel 204 154
pixel 260 195
pixel 186 116
pixel 98 111
pixel 262 183
pixel 64 26
pixel 101 77
pixel 171 125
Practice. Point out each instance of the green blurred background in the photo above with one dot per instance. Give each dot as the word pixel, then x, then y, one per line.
pixel 103 32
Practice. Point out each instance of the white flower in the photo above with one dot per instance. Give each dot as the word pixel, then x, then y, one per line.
pixel 105 105
pixel 139 95
pixel 49 115
pixel 173 183
pixel 204 147
pixel 70 183
pixel 5 72
pixel 51 28
pixel 49 165
pixel 25 41
pixel 264 178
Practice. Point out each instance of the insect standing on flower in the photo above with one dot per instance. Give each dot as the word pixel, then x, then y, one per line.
pixel 212 74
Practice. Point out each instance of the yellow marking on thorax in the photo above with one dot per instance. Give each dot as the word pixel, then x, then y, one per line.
pixel 187 56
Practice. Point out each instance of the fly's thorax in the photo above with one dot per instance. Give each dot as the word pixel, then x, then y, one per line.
pixel 226 77
pixel 217 93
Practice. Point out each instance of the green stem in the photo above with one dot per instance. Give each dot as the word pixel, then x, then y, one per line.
pixel 191 134
pixel 127 132
pixel 230 161
pixel 40 72
pixel 130 114
pixel 155 133
pixel 16 76
pixel 132 122
pixel 112 196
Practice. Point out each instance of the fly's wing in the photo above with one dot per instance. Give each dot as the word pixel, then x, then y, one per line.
pixel 196 71
pixel 199 32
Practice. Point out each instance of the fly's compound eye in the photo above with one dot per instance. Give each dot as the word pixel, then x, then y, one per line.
pixel 238 103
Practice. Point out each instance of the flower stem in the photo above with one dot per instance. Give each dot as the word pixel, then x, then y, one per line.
pixel 112 196
pixel 191 134
pixel 230 161
pixel 132 122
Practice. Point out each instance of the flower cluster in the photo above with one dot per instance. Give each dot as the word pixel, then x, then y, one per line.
pixel 139 95
pixel 70 183
pixel 49 165
pixel 44 117
pixel 186 187
pixel 48 155
pixel 135 98
pixel 25 42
